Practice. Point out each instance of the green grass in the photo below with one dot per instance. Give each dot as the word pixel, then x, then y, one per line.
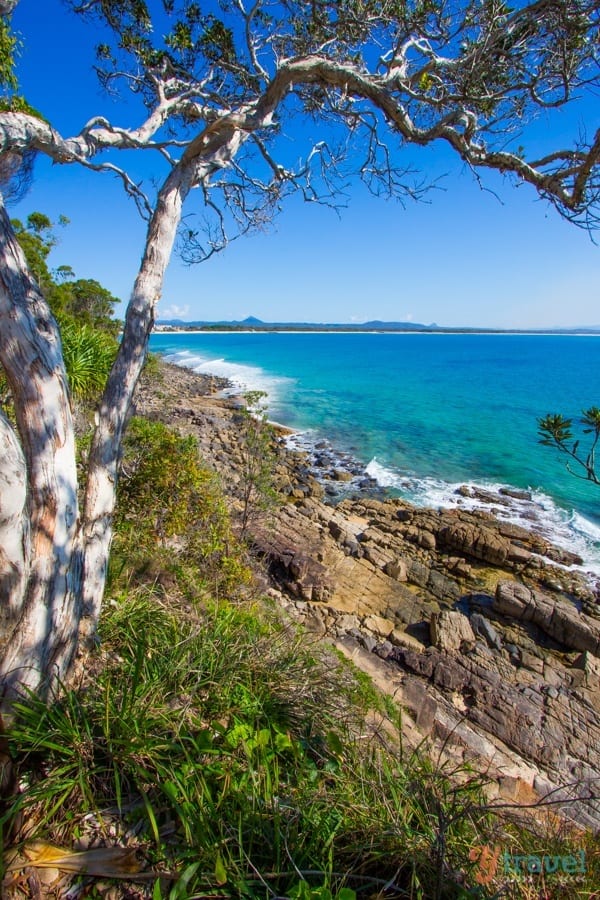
pixel 243 765
pixel 233 753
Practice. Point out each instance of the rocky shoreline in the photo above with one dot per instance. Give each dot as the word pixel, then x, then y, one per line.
pixel 485 634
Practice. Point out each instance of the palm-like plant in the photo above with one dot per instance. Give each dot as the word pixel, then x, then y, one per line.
pixel 555 431
pixel 88 355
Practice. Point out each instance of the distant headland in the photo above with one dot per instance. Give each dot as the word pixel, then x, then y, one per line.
pixel 253 324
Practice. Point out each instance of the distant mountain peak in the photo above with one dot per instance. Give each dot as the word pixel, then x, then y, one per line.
pixel 252 320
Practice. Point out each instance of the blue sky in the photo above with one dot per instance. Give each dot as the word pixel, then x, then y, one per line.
pixel 466 256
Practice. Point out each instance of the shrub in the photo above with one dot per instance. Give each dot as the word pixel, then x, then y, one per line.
pixel 170 509
pixel 258 458
pixel 88 354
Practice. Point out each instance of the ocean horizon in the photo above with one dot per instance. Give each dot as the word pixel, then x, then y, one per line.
pixel 427 414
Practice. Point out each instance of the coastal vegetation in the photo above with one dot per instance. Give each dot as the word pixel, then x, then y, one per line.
pixel 216 88
pixel 183 738
pixel 257 458
pixel 556 431
pixel 208 747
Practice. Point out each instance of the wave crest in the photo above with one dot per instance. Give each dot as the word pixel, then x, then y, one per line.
pixel 533 510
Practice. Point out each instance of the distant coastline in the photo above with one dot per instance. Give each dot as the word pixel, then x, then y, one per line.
pixel 253 324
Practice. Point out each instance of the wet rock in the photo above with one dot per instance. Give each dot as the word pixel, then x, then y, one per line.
pixel 341 475
pixel 515 494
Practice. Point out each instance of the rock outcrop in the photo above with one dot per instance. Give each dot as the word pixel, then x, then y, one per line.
pixel 486 634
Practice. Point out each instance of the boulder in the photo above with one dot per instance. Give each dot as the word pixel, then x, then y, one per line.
pixel 476 541
pixel 556 617
pixel 396 569
pixel 341 475
pixel 378 625
pixel 451 631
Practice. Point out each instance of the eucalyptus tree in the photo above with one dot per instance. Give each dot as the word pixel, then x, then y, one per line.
pixel 219 83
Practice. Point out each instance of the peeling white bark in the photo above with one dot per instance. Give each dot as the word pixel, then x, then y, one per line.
pixel 14 528
pixel 44 638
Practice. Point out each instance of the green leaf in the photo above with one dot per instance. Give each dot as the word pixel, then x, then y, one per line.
pixel 179 890
pixel 283 742
pixel 301 891
pixel 346 894
pixel 335 744
pixel 220 870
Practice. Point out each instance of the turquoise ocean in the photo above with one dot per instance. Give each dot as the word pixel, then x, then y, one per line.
pixel 427 413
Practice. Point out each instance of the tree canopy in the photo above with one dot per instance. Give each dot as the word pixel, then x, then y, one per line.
pixel 218 80
pixel 83 301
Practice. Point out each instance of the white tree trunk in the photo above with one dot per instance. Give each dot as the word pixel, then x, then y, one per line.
pixel 114 410
pixel 46 610
pixel 14 530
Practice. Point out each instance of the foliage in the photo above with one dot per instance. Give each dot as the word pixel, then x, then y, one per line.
pixel 227 748
pixel 470 74
pixel 88 355
pixel 18 104
pixel 231 752
pixel 82 301
pixel 169 501
pixel 37 240
pixel 83 307
pixel 8 47
pixel 556 431
pixel 258 457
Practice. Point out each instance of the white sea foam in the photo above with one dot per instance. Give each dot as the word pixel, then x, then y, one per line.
pixel 569 530
pixel 241 377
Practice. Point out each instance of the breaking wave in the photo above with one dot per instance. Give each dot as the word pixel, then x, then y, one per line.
pixel 533 510
pixel 242 378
